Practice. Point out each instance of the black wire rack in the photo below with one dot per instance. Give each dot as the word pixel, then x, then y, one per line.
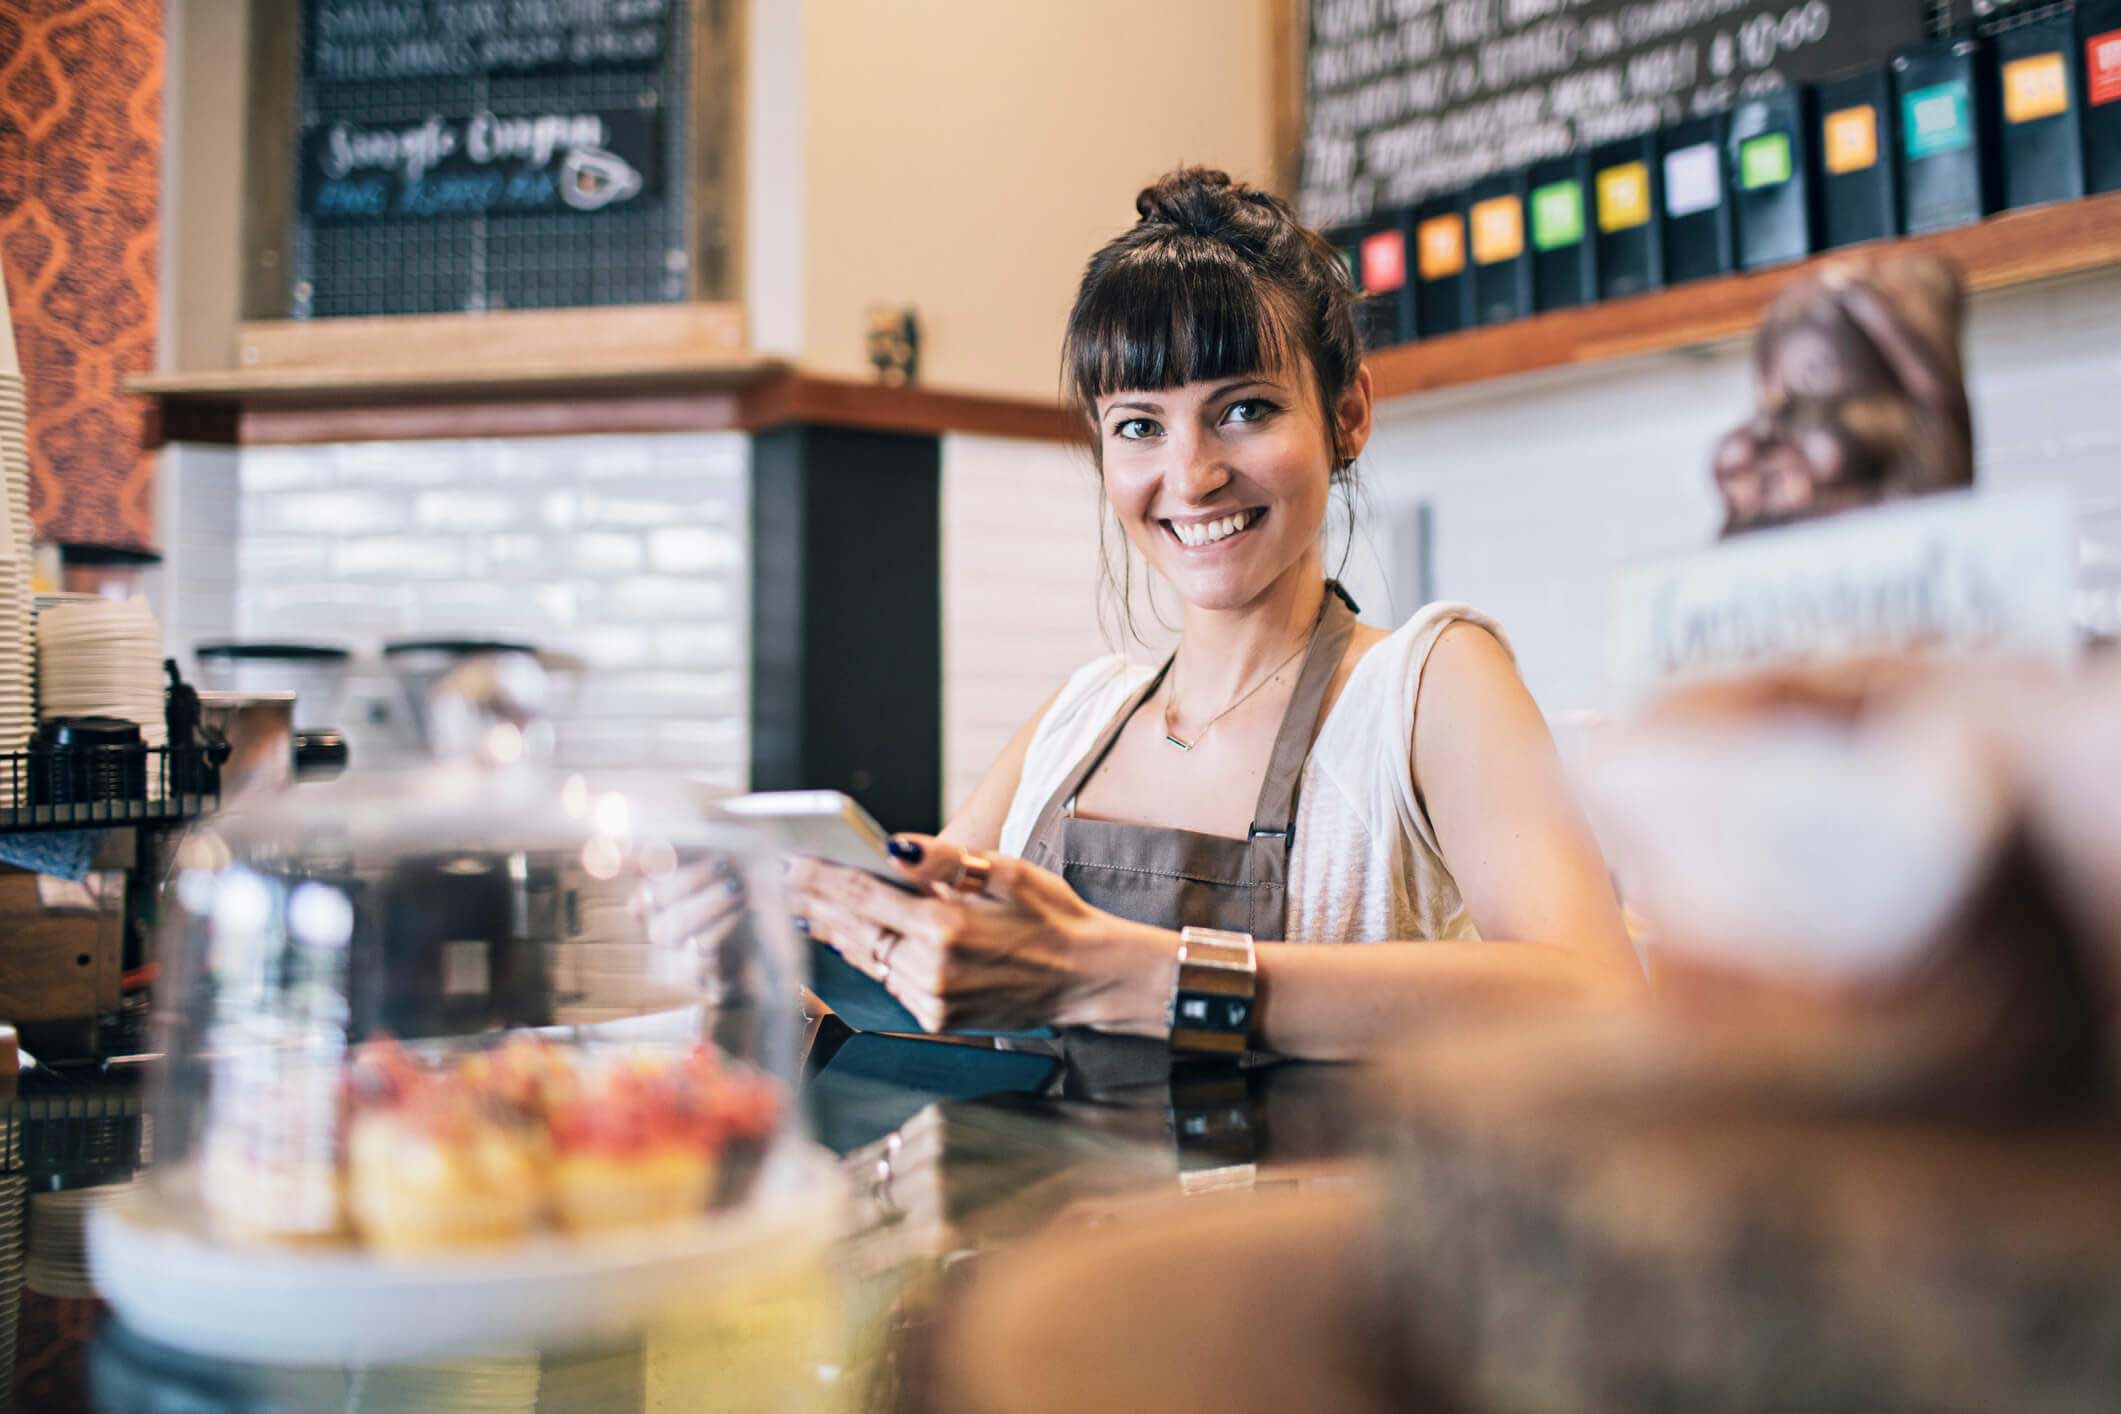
pixel 71 1131
pixel 74 788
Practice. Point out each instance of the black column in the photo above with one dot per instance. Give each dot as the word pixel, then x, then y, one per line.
pixel 846 619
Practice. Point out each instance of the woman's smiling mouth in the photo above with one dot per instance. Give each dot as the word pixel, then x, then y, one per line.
pixel 1203 533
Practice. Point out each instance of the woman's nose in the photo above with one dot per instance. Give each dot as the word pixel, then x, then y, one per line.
pixel 1200 472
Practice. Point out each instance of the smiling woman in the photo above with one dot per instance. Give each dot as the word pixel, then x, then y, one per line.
pixel 1302 777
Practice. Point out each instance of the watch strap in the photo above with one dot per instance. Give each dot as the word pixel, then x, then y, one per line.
pixel 1215 992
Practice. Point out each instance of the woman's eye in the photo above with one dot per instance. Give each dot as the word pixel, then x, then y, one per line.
pixel 1248 410
pixel 1134 429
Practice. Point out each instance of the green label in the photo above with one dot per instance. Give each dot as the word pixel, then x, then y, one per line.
pixel 1937 120
pixel 1557 215
pixel 1764 161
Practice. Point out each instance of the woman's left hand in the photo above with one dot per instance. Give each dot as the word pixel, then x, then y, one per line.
pixel 1026 951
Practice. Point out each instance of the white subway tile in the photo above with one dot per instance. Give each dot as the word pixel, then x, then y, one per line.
pixel 663 597
pixel 410 556
pixel 459 509
pixel 604 553
pixel 284 469
pixel 698 645
pixel 332 513
pixel 688 550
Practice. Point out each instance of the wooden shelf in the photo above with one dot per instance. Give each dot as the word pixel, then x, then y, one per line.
pixel 2015 248
pixel 284 407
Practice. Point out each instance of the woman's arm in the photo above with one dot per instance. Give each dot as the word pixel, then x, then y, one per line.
pixel 1524 858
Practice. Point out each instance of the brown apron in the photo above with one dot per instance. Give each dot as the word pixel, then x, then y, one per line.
pixel 1180 878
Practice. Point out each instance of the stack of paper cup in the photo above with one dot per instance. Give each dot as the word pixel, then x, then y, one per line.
pixel 103 658
pixel 18 716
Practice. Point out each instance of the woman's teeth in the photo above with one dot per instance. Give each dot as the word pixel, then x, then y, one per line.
pixel 1209 531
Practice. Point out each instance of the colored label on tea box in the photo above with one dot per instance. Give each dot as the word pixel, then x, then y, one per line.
pixel 1498 230
pixel 2036 87
pixel 1765 161
pixel 2102 67
pixel 1938 120
pixel 1623 197
pixel 1693 180
pixel 1852 139
pixel 1443 247
pixel 1384 262
pixel 1557 215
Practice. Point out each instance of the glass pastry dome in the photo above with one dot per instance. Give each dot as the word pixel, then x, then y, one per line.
pixel 479 1022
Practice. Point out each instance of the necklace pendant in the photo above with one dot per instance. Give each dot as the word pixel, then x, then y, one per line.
pixel 1181 745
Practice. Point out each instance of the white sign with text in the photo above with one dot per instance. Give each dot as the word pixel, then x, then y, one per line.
pixel 1966 572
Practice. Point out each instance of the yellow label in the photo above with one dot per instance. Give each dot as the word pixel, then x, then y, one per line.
pixel 1498 230
pixel 2034 88
pixel 1852 139
pixel 1623 197
pixel 1443 247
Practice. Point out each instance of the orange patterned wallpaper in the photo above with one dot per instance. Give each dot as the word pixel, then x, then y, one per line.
pixel 80 188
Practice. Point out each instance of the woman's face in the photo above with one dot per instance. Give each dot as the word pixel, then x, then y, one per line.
pixel 1222 484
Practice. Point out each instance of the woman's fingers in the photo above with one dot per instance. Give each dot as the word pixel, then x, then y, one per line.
pixel 926 860
pixel 871 897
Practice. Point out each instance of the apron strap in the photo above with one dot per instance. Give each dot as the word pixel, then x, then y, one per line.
pixel 1044 828
pixel 1275 814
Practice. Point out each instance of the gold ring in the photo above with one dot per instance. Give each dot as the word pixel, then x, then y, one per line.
pixel 973 871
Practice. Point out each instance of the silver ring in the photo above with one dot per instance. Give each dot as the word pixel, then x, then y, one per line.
pixel 889 941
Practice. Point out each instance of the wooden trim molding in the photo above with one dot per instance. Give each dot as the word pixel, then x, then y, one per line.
pixel 2015 248
pixel 279 409
pixel 524 342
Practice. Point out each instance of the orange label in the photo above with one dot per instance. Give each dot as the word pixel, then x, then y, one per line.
pixel 1443 247
pixel 2035 88
pixel 1498 230
pixel 1852 139
pixel 1623 197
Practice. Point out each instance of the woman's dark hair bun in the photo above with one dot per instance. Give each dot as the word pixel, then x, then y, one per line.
pixel 1196 199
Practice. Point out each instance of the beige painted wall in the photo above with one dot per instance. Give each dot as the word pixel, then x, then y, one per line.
pixel 202 237
pixel 967 156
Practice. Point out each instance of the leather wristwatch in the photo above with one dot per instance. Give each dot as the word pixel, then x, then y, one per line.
pixel 1215 992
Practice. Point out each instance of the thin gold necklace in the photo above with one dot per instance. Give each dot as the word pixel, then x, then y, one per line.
pixel 1171 695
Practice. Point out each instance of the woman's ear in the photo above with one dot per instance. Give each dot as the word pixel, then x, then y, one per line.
pixel 1352 415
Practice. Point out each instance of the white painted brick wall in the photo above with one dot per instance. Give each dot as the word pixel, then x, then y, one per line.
pixel 1020 592
pixel 631 551
pixel 197 516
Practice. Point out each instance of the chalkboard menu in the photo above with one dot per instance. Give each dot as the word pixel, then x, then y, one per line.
pixel 490 154
pixel 1406 98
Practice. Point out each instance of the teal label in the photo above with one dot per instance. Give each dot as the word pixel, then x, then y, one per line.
pixel 1937 120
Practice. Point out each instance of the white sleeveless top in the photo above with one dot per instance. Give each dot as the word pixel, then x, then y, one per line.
pixel 1365 866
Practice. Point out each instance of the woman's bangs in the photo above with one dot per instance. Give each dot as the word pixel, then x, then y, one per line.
pixel 1165 317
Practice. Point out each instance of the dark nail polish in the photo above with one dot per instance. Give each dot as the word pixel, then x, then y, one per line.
pixel 802 924
pixel 905 850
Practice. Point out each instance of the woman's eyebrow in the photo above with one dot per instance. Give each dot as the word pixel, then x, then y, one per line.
pixel 1137 407
pixel 1228 388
